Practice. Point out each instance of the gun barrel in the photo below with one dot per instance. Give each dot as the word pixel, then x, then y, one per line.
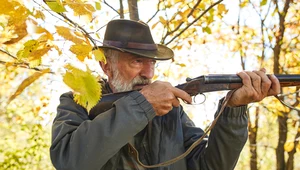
pixel 233 78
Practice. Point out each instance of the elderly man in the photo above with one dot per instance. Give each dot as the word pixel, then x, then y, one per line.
pixel 150 118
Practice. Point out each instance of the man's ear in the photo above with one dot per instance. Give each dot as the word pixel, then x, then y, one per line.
pixel 106 67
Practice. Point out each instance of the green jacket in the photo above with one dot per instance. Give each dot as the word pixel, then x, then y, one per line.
pixel 101 143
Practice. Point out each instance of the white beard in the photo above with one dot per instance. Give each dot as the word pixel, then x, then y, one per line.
pixel 120 85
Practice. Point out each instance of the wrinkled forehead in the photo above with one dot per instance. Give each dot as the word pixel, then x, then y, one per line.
pixel 129 56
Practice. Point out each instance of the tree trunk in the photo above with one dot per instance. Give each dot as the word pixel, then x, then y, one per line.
pixel 252 140
pixel 282 125
pixel 133 10
pixel 282 119
pixel 290 161
pixel 121 9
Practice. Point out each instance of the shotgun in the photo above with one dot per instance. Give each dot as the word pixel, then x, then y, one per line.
pixel 195 86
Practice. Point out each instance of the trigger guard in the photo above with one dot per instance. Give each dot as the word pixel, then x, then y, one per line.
pixel 194 98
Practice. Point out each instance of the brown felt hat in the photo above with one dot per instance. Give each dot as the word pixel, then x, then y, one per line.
pixel 134 37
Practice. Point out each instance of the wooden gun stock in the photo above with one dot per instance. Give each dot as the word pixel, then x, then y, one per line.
pixel 195 86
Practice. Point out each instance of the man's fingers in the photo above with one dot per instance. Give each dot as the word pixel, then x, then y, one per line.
pixel 265 82
pixel 275 86
pixel 182 95
pixel 245 78
pixel 175 102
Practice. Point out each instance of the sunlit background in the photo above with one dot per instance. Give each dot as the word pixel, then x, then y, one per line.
pixel 227 43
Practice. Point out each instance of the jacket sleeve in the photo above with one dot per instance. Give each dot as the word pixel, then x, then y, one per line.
pixel 224 144
pixel 81 143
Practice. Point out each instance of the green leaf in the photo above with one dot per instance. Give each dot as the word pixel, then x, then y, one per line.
pixel 56 6
pixel 98 5
pixel 87 90
pixel 207 30
pixel 263 2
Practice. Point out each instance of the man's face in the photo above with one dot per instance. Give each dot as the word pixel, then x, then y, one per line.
pixel 131 72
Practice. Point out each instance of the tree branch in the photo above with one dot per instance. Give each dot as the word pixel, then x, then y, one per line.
pixel 182 21
pixel 24 65
pixel 6 52
pixel 193 22
pixel 155 12
pixel 111 7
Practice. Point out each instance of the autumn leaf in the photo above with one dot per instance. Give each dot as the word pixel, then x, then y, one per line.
pixel 80 8
pixel 16 19
pixel 162 20
pixel 87 90
pixel 33 51
pixel 207 30
pixel 27 82
pixel 82 51
pixel 263 2
pixel 98 5
pixel 289 146
pixel 222 8
pixel 68 34
pixel 55 5
pixel 99 55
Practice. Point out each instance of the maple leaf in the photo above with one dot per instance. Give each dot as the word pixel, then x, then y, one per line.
pixel 87 90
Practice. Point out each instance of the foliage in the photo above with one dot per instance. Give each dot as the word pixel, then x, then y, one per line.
pixel 25 122
pixel 41 40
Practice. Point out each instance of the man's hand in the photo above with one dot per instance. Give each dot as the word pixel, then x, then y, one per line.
pixel 163 96
pixel 256 86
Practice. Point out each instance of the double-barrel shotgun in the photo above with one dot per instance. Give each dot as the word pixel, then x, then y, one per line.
pixel 198 85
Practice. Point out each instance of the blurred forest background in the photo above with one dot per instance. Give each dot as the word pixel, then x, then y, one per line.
pixel 46 49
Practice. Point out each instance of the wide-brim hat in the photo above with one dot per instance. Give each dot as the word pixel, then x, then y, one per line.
pixel 134 37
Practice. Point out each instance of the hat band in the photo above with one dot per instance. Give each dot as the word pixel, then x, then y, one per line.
pixel 134 45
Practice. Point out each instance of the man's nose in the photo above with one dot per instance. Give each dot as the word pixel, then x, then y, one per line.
pixel 148 70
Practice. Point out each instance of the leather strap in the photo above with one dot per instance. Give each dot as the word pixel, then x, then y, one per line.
pixel 135 153
pixel 133 45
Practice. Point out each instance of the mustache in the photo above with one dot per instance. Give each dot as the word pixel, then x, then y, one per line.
pixel 141 81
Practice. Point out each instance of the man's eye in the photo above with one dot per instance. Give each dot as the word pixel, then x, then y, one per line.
pixel 153 61
pixel 138 61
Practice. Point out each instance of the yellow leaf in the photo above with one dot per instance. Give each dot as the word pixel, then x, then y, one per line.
pixel 221 8
pixel 185 14
pixel 162 20
pixel 41 30
pixel 99 55
pixel 39 14
pixel 202 6
pixel 68 34
pixel 29 80
pixel 289 146
pixel 87 90
pixel 34 63
pixel 56 6
pixel 20 30
pixel 81 51
pixel 29 46
pixel 154 25
pixel 80 8
pixel 37 54
pixel 98 5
